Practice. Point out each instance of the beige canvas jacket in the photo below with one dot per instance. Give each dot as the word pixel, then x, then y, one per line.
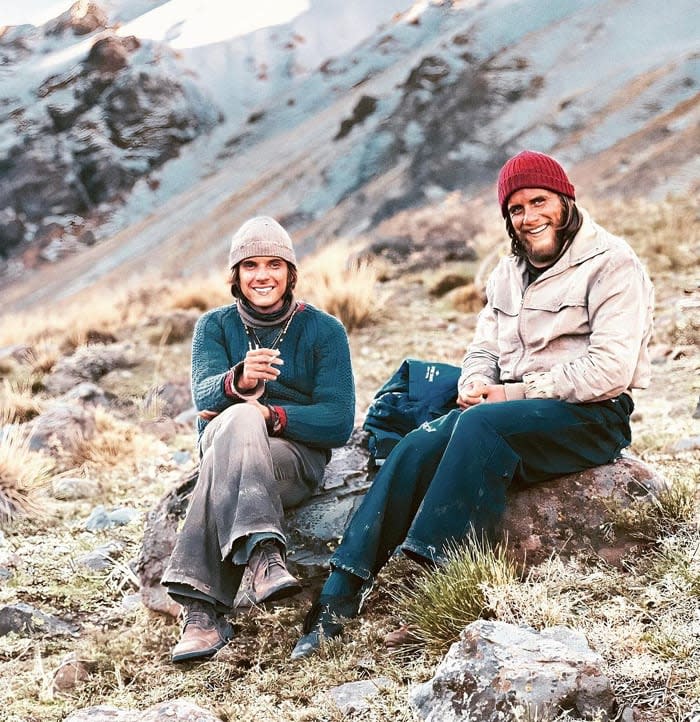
pixel 578 333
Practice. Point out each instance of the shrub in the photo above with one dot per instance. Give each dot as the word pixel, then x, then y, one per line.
pixel 343 287
pixel 442 602
pixel 23 473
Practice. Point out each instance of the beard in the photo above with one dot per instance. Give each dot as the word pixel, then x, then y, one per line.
pixel 543 255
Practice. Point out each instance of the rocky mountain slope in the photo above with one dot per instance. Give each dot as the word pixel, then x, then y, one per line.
pixel 130 137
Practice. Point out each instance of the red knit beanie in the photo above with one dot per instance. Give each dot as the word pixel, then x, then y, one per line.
pixel 530 169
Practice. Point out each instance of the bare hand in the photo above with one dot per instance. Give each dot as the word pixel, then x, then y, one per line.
pixel 478 392
pixel 257 366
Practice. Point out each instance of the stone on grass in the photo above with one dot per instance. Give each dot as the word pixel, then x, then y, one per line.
pixel 101 519
pixel 88 363
pixel 354 697
pixel 71 488
pixel 25 620
pixel 178 710
pixel 498 672
pixel 70 672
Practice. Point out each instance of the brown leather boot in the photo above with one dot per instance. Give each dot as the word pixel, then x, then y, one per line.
pixel 271 579
pixel 204 632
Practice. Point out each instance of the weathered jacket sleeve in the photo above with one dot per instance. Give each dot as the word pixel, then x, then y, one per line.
pixel 480 363
pixel 619 308
pixel 328 420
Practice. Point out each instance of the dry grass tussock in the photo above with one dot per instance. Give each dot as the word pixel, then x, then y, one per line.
pixel 666 234
pixel 116 443
pixel 24 474
pixel 441 602
pixel 342 285
pixel 644 618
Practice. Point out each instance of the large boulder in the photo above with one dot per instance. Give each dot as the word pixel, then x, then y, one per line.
pixel 88 363
pixel 499 672
pixel 572 514
pixel 578 512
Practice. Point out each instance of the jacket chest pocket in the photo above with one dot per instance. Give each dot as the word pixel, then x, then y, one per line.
pixel 506 304
pixel 548 318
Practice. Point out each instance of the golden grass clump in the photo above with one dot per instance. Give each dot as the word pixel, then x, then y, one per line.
pixel 24 473
pixel 345 288
pixel 442 602
pixel 672 508
pixel 467 299
pixel 201 293
pixel 115 443
pixel 668 237
pixel 18 401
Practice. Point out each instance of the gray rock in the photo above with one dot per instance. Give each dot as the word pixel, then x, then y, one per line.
pixel 25 620
pixel 101 519
pixel 70 488
pixel 497 672
pixel 102 557
pixel 692 443
pixel 90 394
pixel 63 428
pixel 187 417
pixel 132 601
pixel 354 696
pixel 88 363
pixel 182 458
pixel 178 710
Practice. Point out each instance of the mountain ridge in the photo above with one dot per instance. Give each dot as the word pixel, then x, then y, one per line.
pixel 429 103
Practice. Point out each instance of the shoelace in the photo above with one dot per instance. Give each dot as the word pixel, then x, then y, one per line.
pixel 271 557
pixel 200 618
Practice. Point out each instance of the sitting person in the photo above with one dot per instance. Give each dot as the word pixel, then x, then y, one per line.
pixel 272 380
pixel 545 390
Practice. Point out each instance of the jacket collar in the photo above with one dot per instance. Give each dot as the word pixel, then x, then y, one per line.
pixel 588 242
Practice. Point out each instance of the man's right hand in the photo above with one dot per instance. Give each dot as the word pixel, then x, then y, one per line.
pixel 478 392
pixel 259 363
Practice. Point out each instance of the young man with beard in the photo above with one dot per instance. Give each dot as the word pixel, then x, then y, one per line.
pixel 545 390
pixel 272 380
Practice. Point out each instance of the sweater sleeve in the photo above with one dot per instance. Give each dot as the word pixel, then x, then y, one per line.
pixel 210 363
pixel 327 421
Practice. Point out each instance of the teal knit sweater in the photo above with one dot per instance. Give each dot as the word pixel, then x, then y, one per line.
pixel 315 386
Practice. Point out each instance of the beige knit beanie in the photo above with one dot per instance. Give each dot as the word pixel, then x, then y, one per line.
pixel 261 236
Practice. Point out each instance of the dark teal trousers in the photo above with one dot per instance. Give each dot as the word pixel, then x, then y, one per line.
pixel 453 473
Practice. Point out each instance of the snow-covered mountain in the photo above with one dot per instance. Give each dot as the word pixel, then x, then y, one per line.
pixel 150 129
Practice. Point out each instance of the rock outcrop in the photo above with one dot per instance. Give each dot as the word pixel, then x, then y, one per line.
pixel 498 672
pixel 572 514
pixel 120 113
